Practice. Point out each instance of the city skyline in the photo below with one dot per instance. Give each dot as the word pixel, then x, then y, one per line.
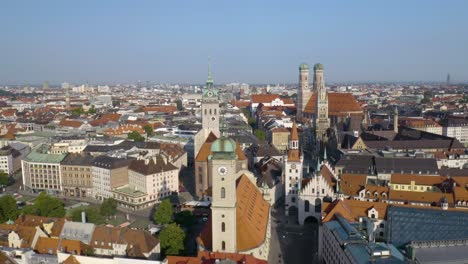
pixel 262 42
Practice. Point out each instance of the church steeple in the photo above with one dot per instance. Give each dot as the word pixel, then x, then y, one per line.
pixel 209 92
pixel 209 80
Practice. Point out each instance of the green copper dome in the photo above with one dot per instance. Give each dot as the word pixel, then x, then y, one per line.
pixel 318 66
pixel 223 144
pixel 303 66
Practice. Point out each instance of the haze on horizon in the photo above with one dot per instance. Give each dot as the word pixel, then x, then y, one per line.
pixel 249 41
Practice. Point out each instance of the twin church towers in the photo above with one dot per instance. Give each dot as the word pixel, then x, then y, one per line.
pixel 315 98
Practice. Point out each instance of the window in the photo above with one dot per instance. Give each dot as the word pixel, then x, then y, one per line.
pixel 223 192
pixel 381 225
pixel 223 245
pixel 306 206
pixel 293 199
pixel 318 205
pixel 372 215
pixel 223 227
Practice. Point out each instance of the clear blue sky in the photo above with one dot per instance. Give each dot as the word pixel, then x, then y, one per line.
pixel 249 41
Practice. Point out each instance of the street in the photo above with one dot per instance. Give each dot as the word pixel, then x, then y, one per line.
pixel 290 242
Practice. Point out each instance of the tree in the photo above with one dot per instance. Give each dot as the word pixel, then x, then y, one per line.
pixel 4 179
pixel 185 219
pixel 148 130
pixel 163 214
pixel 135 136
pixel 260 134
pixel 172 240
pixel 108 207
pixel 180 107
pixel 77 111
pixel 92 215
pixel 92 110
pixel 8 208
pixel 46 205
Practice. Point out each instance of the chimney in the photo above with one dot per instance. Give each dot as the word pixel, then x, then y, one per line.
pixel 83 217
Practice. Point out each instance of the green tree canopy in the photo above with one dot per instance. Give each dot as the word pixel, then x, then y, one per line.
pixel 172 240
pixel 135 136
pixel 180 107
pixel 8 208
pixel 108 207
pixel 4 180
pixel 92 215
pixel 260 134
pixel 148 130
pixel 77 111
pixel 92 110
pixel 163 214
pixel 46 205
pixel 185 218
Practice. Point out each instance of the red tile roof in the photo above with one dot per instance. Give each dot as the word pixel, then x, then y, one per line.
pixel 339 104
pixel 70 123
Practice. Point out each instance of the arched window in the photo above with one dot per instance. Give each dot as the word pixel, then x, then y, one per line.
pixel 373 216
pixel 210 111
pixel 223 192
pixel 318 205
pixel 205 111
pixel 214 111
pixel 223 245
pixel 223 227
pixel 306 206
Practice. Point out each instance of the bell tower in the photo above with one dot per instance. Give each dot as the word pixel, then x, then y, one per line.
pixel 322 122
pixel 303 93
pixel 222 164
pixel 210 107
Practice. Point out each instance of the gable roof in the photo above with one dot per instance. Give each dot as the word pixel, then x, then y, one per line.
pixel 34 220
pixel 339 104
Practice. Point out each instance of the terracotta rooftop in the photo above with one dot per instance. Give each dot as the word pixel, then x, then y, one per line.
pixel 34 220
pixel 46 245
pixel 351 184
pixel 418 179
pixel 352 209
pixel 423 197
pixel 339 104
pixel 264 98
pixel 70 123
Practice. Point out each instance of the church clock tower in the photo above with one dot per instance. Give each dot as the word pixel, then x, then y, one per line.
pixel 222 164
pixel 210 107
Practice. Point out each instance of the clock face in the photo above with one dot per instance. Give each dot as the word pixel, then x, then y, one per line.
pixel 293 166
pixel 210 93
pixel 222 171
pixel 213 118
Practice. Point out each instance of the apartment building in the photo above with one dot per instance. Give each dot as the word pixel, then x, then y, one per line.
pixel 149 181
pixel 108 173
pixel 76 175
pixel 41 170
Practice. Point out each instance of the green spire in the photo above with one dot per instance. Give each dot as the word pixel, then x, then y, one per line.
pixel 210 76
